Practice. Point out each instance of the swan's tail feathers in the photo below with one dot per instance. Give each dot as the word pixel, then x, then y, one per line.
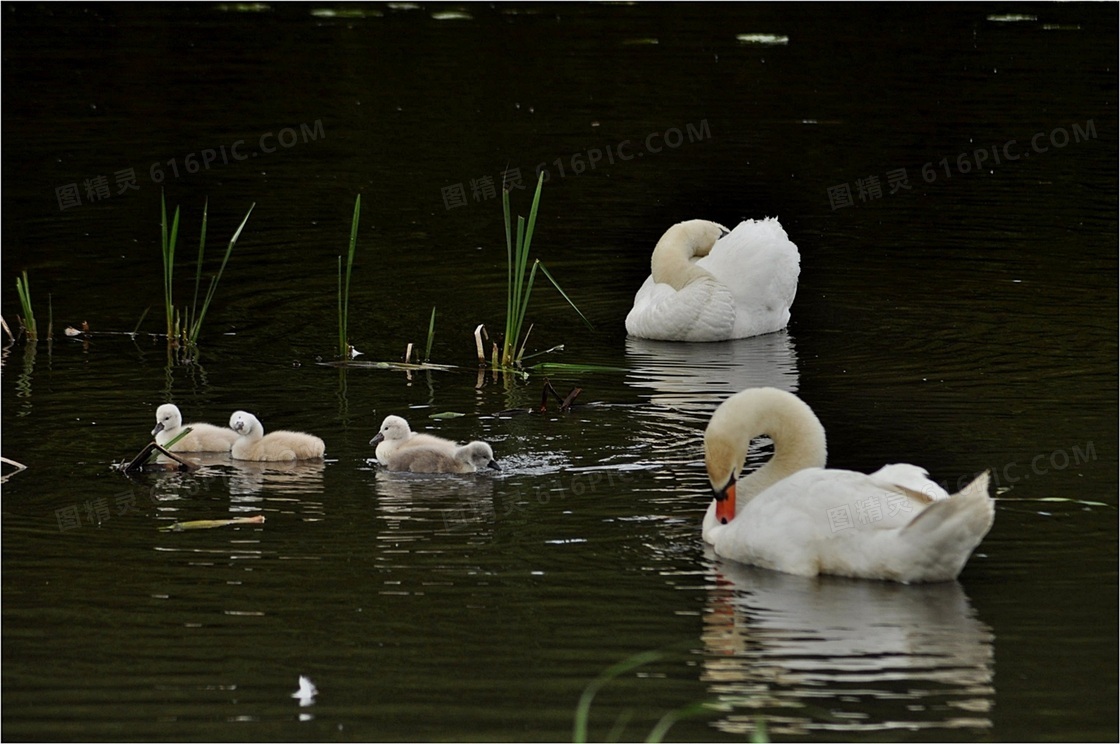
pixel 945 533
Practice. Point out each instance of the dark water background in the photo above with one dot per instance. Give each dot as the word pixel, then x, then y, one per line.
pixel 968 321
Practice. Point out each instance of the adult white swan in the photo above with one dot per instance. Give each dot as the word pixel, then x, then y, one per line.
pixel 793 515
pixel 709 284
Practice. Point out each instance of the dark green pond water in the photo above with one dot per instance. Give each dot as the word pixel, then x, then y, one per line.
pixel 961 318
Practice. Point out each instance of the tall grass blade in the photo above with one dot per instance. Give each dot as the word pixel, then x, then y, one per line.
pixel 563 294
pixel 198 264
pixel 533 213
pixel 517 261
pixel 168 239
pixel 509 260
pixel 666 722
pixel 431 335
pixel 341 322
pixel 210 292
pixel 341 328
pixel 583 707
pixel 143 315
pixel 23 289
pixel 344 289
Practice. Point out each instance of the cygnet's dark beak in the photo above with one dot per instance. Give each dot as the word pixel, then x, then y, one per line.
pixel 377 439
pixel 158 429
pixel 493 465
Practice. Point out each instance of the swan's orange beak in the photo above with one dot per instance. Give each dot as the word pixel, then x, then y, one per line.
pixel 725 503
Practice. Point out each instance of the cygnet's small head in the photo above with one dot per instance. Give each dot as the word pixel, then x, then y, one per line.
pixel 393 428
pixel 480 455
pixel 243 422
pixel 168 418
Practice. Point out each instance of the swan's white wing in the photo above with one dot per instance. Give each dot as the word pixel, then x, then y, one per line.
pixel 702 311
pixel 760 266
pixel 819 521
pixel 912 478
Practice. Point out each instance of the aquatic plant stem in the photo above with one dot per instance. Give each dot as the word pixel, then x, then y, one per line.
pixel 344 288
pixel 167 248
pixel 23 289
pixel 196 327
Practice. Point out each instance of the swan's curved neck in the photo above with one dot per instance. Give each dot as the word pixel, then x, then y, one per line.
pixel 799 438
pixel 673 261
pixel 795 448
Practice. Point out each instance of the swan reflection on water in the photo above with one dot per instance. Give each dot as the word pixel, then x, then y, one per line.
pixel 698 377
pixel 685 383
pixel 843 657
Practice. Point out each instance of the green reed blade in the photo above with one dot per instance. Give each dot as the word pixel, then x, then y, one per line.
pixel 143 315
pixel 23 289
pixel 212 290
pixel 344 289
pixel 431 335
pixel 198 264
pixel 565 296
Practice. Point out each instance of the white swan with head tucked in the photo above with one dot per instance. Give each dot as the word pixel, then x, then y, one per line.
pixel 279 446
pixel 396 434
pixel 202 438
pixel 709 284
pixel 794 515
pixel 469 458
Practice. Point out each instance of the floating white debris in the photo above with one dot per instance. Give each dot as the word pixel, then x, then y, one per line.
pixel 306 692
pixel 1012 18
pixel 763 39
pixel 452 15
pixel 346 13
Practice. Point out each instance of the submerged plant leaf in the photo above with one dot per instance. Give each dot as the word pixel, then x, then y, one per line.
pixel 446 415
pixel 567 367
pixel 209 524
pixel 1060 499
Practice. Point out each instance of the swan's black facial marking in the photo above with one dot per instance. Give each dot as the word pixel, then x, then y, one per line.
pixel 721 495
